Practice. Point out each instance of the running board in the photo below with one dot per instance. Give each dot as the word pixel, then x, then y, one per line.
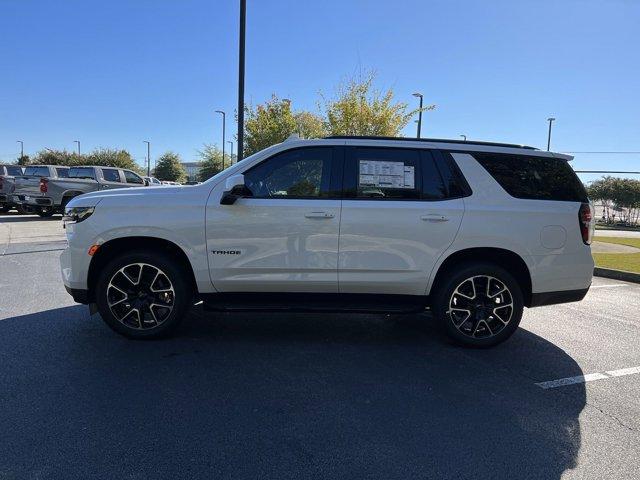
pixel 314 302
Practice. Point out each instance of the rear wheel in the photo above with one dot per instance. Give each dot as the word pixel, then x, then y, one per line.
pixel 143 295
pixel 479 304
pixel 25 209
pixel 4 208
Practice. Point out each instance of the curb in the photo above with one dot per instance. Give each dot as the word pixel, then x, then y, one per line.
pixel 617 274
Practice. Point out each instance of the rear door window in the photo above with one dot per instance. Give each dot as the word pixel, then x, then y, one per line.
pixel 535 178
pixel 14 171
pixel 37 171
pixel 82 172
pixel 131 177
pixel 111 175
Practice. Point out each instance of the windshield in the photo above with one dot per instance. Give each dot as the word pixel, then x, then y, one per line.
pixel 82 172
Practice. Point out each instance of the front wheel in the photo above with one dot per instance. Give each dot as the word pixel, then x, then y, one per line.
pixel 25 209
pixel 143 295
pixel 479 305
pixel 45 212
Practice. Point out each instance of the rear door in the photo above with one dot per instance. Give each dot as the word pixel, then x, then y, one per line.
pixel 399 214
pixel 111 178
pixel 133 179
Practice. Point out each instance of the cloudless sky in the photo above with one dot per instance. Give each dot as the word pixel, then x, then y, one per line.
pixel 114 73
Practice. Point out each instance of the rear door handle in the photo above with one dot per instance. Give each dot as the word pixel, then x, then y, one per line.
pixel 434 217
pixel 319 215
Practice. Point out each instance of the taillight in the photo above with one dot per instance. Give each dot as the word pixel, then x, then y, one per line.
pixel 587 222
pixel 1 183
pixel 43 185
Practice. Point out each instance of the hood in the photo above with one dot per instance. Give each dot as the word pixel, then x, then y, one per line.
pixel 139 194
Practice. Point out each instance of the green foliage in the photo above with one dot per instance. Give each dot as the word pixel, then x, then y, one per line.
pixel 268 124
pixel 620 198
pixel 310 125
pixel 170 168
pixel 360 109
pixel 103 157
pixel 23 160
pixel 210 162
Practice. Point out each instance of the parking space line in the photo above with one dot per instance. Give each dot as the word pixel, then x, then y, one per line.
pixel 561 382
pixel 617 285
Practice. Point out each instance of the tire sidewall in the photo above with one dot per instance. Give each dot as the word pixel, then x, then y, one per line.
pixel 443 293
pixel 178 278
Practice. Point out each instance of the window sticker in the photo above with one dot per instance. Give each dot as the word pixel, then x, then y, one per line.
pixel 383 174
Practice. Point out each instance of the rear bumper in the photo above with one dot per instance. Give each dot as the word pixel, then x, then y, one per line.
pixel 553 298
pixel 32 201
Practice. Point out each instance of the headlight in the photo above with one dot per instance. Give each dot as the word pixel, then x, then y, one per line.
pixel 77 214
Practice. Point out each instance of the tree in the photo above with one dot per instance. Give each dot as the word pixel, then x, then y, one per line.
pixel 55 157
pixel 360 109
pixel 170 168
pixel 309 125
pixel 110 157
pixel 210 162
pixel 23 160
pixel 267 125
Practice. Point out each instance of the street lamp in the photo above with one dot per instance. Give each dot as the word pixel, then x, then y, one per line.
pixel 78 142
pixel 21 148
pixel 231 159
pixel 224 122
pixel 243 22
pixel 419 113
pixel 464 137
pixel 148 157
pixel 550 120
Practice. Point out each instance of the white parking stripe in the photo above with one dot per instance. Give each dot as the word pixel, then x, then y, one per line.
pixel 561 382
pixel 610 286
pixel 623 371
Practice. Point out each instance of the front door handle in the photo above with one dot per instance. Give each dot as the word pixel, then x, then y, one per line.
pixel 319 215
pixel 434 217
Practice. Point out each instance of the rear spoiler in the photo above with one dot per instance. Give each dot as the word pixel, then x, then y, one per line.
pixel 563 156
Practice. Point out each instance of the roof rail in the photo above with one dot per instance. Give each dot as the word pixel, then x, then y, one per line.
pixel 432 140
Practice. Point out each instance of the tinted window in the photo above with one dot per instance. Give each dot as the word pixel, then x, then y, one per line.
pixel 383 173
pixel 433 187
pixel 538 178
pixel 454 181
pixel 37 171
pixel 132 177
pixel 298 173
pixel 14 170
pixel 82 172
pixel 62 172
pixel 110 175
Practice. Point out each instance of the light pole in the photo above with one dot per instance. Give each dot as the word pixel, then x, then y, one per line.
pixel 550 120
pixel 21 148
pixel 243 22
pixel 464 137
pixel 224 122
pixel 231 158
pixel 148 157
pixel 78 142
pixel 419 113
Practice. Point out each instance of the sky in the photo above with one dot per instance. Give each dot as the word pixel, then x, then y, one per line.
pixel 116 73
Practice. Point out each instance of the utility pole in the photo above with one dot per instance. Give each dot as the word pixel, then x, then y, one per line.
pixel 419 113
pixel 224 122
pixel 243 22
pixel 231 158
pixel 78 142
pixel 21 148
pixel 148 157
pixel 550 120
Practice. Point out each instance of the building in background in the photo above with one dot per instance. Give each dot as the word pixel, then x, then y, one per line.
pixel 192 169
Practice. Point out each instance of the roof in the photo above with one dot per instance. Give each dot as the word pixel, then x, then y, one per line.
pixel 433 140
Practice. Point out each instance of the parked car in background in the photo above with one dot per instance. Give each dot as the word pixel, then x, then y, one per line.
pixel 474 231
pixel 7 184
pixel 30 185
pixel 49 195
pixel 152 181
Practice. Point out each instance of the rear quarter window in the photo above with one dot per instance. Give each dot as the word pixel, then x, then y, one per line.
pixel 37 171
pixel 534 178
pixel 15 171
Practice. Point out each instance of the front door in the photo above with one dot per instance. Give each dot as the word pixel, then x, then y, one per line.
pixel 399 214
pixel 284 237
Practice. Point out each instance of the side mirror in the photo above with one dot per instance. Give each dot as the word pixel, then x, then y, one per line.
pixel 234 189
pixel 146 183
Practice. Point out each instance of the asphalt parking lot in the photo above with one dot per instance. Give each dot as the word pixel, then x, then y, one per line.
pixel 308 396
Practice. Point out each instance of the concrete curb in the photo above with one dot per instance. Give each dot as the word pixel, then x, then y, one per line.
pixel 617 274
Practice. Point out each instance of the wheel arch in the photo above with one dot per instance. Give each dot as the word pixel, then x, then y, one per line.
pixel 507 259
pixel 123 244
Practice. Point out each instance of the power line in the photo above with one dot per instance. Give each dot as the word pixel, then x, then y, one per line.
pixel 608 153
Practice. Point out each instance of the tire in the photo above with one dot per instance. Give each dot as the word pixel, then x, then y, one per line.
pixel 25 209
pixel 172 298
pixel 476 288
pixel 4 208
pixel 45 212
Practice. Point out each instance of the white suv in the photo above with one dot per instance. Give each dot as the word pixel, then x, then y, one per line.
pixel 475 231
